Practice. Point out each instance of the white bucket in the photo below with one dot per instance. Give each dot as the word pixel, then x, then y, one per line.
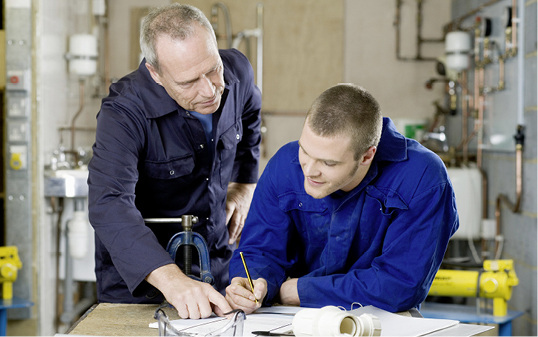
pixel 467 183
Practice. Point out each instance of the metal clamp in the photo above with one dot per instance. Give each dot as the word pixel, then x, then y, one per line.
pixel 186 239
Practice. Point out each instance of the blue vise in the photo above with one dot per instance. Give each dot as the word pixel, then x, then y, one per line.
pixel 187 239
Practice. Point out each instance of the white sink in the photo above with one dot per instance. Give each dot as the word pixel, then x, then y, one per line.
pixel 66 183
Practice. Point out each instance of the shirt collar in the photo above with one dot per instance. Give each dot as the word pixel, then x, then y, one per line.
pixel 393 145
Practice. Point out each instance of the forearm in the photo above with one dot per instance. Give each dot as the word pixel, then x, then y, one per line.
pixel 166 278
pixel 289 294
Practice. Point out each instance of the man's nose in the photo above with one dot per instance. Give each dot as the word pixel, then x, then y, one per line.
pixel 207 87
pixel 310 168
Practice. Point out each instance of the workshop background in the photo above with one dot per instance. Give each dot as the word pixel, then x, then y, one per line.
pixel 472 98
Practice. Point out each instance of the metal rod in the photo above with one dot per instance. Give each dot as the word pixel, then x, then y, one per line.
pixel 419 39
pixel 163 220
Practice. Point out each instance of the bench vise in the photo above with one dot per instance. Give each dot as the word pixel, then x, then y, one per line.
pixel 187 239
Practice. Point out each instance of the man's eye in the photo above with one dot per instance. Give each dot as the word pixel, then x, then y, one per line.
pixel 186 85
pixel 329 163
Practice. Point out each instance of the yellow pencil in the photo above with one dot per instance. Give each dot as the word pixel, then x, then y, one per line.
pixel 248 276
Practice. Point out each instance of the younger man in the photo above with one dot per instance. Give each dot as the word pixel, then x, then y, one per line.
pixel 352 212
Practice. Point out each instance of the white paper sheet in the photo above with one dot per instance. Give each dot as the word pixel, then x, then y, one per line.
pixel 259 321
pixel 398 325
pixel 280 318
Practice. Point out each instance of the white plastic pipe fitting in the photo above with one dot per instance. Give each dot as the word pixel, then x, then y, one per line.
pixel 457 47
pixel 332 321
pixel 77 231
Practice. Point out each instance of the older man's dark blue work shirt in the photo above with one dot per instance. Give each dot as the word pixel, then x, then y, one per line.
pixel 151 159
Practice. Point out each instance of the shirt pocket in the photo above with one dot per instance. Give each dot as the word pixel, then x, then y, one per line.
pixel 226 149
pixel 310 216
pixel 387 200
pixel 170 169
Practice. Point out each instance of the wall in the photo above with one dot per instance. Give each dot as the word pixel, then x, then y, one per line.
pixel 57 101
pixel 368 58
pixel 370 54
pixel 519 229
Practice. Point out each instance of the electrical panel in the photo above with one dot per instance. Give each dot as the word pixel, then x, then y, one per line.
pixel 18 146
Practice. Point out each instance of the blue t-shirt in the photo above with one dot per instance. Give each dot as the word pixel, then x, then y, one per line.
pixel 207 124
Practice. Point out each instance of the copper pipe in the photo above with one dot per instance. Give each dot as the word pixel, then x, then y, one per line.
pixel 284 113
pixel 464 114
pixel 77 128
pixel 481 98
pixel 419 39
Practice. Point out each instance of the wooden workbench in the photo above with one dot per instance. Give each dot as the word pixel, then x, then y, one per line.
pixel 112 319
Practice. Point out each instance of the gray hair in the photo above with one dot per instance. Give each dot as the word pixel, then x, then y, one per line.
pixel 347 109
pixel 174 20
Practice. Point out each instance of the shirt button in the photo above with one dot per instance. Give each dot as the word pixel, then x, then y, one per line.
pixel 172 172
pixel 206 179
pixel 237 136
pixel 300 204
pixel 201 146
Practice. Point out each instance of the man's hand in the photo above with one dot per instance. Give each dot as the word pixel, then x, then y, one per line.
pixel 237 205
pixel 289 295
pixel 192 299
pixel 240 296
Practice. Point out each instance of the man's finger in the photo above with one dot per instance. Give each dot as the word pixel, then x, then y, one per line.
pixel 182 311
pixel 205 309
pixel 233 230
pixel 219 301
pixel 230 210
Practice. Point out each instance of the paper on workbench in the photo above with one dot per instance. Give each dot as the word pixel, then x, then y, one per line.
pixel 280 318
pixel 399 325
pixel 267 319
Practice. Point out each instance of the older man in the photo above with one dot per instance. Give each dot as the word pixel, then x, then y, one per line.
pixel 178 136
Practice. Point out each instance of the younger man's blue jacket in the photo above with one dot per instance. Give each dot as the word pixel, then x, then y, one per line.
pixel 380 244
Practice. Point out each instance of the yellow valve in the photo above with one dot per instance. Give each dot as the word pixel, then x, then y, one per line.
pixel 496 281
pixel 9 264
pixel 16 161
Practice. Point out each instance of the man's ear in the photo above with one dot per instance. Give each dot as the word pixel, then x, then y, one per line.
pixel 368 156
pixel 154 74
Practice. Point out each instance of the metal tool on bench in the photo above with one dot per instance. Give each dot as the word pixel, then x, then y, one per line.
pixel 187 239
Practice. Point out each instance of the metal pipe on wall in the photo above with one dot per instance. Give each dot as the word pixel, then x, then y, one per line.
pixel 227 22
pixel 456 23
pixel 419 39
pixel 503 198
